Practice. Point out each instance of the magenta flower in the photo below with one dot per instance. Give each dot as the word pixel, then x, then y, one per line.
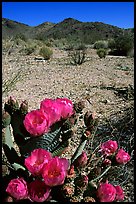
pixel 36 161
pixel 36 122
pixel 55 171
pixel 52 108
pixel 109 147
pixel 119 193
pixel 81 160
pixel 106 192
pixel 17 188
pixel 66 107
pixel 122 157
pixel 38 191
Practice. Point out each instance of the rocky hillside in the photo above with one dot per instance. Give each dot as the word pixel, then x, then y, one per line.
pixel 87 32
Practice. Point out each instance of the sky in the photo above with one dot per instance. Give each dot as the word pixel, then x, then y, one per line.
pixel 120 14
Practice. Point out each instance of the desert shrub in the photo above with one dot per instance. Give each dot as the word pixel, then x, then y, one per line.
pixel 77 57
pixel 101 44
pixel 131 53
pixel 21 37
pixel 124 43
pixel 28 50
pixel 80 47
pixel 46 52
pixel 101 52
pixel 111 43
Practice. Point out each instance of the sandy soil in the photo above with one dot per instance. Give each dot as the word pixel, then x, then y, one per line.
pixel 57 78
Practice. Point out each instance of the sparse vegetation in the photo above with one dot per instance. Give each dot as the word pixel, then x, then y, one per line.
pixel 46 53
pixel 101 52
pixel 101 44
pixel 77 57
pixel 28 50
pixel 124 44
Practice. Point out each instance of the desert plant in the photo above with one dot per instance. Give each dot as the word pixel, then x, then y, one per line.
pixel 130 53
pixel 101 44
pixel 111 43
pixel 77 57
pixel 80 47
pixel 101 52
pixel 124 43
pixel 21 37
pixel 28 50
pixel 9 84
pixel 46 52
pixel 39 172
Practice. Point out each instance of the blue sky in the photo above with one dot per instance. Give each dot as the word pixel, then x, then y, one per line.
pixel 119 14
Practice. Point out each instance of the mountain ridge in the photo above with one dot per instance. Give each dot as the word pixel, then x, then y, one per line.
pixel 68 28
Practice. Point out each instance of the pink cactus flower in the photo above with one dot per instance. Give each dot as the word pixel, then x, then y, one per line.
pixel 66 107
pixel 119 193
pixel 122 157
pixel 52 108
pixel 17 188
pixel 106 192
pixel 36 161
pixel 38 191
pixel 36 122
pixel 81 160
pixel 55 171
pixel 109 147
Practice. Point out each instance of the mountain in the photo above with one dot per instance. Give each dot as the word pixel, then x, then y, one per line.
pixel 12 28
pixel 69 28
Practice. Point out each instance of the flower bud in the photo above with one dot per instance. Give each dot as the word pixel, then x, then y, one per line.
pixel 81 160
pixel 107 162
pixel 11 105
pixel 86 135
pixel 71 173
pixel 79 106
pixel 89 199
pixel 89 118
pixel 9 199
pixel 68 190
pixel 6 119
pixel 24 107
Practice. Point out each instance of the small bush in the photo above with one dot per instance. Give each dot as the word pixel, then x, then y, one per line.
pixel 46 53
pixel 77 57
pixel 124 43
pixel 21 37
pixel 29 50
pixel 101 53
pixel 111 43
pixel 131 53
pixel 101 44
pixel 80 47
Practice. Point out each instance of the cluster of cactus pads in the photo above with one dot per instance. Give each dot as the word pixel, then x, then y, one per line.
pixel 82 178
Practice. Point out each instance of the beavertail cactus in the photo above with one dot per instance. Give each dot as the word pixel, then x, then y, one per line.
pixel 6 119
